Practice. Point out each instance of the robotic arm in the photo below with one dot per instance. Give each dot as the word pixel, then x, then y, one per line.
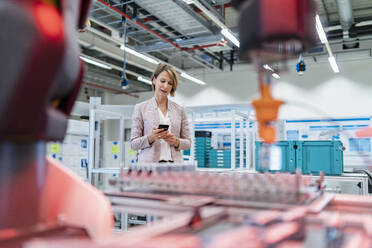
pixel 41 75
pixel 273 31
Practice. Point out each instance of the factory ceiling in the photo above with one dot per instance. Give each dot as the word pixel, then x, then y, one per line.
pixel 187 34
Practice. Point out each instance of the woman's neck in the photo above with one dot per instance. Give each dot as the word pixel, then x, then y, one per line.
pixel 161 101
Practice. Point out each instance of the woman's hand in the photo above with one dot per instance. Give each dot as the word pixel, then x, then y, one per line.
pixel 172 140
pixel 157 134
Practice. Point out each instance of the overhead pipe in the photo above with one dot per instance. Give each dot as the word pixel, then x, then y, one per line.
pixel 153 32
pixel 139 23
pixel 345 12
pixel 206 46
pixel 225 6
pixel 110 89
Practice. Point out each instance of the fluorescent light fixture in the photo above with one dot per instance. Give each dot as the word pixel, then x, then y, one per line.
pixel 333 63
pixel 187 76
pixel 323 38
pixel 140 55
pixel 320 30
pixel 144 80
pixel 275 75
pixel 188 1
pixel 267 67
pixel 225 32
pixel 96 63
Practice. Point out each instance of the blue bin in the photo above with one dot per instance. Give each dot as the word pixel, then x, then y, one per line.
pixel 311 157
pixel 315 156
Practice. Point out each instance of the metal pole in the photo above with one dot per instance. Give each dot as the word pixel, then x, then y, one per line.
pixel 252 134
pixel 124 221
pixel 247 146
pixel 241 149
pixel 192 135
pixel 97 145
pixel 92 121
pixel 233 131
pixel 121 141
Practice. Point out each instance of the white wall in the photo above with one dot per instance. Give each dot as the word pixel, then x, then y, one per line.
pixel 322 93
pixel 318 93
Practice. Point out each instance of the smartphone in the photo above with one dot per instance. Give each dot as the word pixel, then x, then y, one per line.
pixel 163 126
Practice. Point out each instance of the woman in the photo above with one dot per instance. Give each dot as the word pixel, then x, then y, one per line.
pixel 157 144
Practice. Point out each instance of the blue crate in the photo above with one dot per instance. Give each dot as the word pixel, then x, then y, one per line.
pixel 202 159
pixel 288 158
pixel 315 156
pixel 201 148
pixel 219 166
pixel 311 157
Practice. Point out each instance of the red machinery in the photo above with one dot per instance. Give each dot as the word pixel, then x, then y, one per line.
pixel 272 31
pixel 41 74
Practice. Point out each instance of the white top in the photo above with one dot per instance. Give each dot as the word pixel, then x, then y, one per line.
pixel 165 150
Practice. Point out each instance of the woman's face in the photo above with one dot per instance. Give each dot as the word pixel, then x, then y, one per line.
pixel 163 84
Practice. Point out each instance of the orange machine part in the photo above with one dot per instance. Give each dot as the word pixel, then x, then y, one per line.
pixel 266 111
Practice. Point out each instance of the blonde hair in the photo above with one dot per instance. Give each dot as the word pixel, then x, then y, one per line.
pixel 172 73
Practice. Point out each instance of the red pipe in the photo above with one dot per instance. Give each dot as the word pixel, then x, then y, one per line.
pixel 140 24
pixel 226 5
pixel 205 46
pixel 153 32
pixel 110 89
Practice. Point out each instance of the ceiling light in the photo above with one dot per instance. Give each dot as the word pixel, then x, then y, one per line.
pixel 267 67
pixel 320 30
pixel 187 76
pixel 140 55
pixel 144 80
pixel 188 1
pixel 333 63
pixel 275 75
pixel 96 63
pixel 323 38
pixel 225 32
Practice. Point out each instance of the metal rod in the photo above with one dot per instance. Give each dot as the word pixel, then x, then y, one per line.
pixel 241 149
pixel 104 16
pixel 233 132
pixel 97 145
pixel 110 89
pixel 247 146
pixel 119 4
pixel 114 22
pixel 121 142
pixel 92 120
pixel 203 46
pixel 192 135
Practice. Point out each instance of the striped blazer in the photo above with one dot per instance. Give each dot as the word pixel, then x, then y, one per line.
pixel 145 118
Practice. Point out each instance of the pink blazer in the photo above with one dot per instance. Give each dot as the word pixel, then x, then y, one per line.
pixel 145 117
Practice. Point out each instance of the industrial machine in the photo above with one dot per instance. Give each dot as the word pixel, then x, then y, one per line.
pixel 267 38
pixel 41 74
pixel 219 210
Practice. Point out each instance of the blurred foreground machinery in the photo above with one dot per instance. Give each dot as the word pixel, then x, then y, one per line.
pixel 43 205
pixel 41 74
pixel 212 210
